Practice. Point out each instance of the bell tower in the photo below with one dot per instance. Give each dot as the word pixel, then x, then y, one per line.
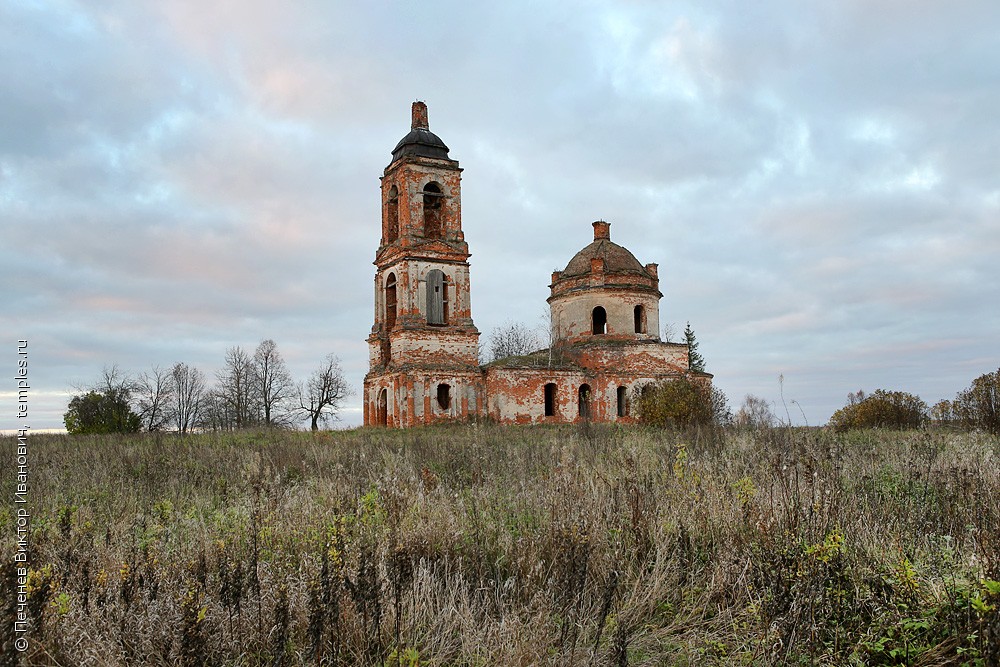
pixel 423 347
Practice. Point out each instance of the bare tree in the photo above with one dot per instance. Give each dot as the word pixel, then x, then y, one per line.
pixel 322 395
pixel 214 414
pixel 511 340
pixel 115 382
pixel 154 393
pixel 119 388
pixel 549 334
pixel 274 384
pixel 755 413
pixel 236 390
pixel 189 391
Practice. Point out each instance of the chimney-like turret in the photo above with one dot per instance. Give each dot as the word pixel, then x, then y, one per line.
pixel 602 230
pixel 419 116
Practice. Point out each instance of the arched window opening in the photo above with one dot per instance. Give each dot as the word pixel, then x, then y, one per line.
pixel 640 319
pixel 622 402
pixel 584 401
pixel 392 215
pixel 600 320
pixel 390 301
pixel 550 399
pixel 444 396
pixel 433 205
pixel 383 408
pixel 437 297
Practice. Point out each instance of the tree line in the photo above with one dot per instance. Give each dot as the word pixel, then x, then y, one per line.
pixel 976 407
pixel 251 390
pixel 686 402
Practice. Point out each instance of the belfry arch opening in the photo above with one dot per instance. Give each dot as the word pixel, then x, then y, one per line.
pixel 599 320
pixel 639 319
pixel 433 209
pixel 392 215
pixel 390 301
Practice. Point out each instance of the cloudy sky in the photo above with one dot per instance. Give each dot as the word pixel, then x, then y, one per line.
pixel 817 181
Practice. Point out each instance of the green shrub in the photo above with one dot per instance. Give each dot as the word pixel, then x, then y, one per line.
pixel 682 403
pixel 882 409
pixel 101 412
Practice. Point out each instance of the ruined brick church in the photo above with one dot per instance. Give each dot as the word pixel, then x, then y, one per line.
pixel 424 346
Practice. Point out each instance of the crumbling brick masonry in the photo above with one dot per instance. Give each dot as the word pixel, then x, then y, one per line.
pixel 423 347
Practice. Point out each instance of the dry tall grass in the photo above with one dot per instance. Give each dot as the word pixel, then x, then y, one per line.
pixel 482 545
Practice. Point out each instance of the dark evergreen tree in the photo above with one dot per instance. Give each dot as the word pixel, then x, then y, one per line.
pixel 696 362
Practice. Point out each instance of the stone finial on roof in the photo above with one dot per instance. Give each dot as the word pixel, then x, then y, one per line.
pixel 602 230
pixel 419 116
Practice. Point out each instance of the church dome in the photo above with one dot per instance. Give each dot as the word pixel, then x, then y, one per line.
pixel 420 141
pixel 616 259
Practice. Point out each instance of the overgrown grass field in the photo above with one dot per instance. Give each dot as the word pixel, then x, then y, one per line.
pixel 483 545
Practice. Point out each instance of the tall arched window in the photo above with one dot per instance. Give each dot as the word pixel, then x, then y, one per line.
pixel 433 204
pixel 437 297
pixel 382 419
pixel 583 400
pixel 640 319
pixel 600 320
pixel 622 402
pixel 392 215
pixel 550 399
pixel 390 301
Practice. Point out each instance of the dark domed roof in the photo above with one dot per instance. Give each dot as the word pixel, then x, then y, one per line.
pixel 421 142
pixel 616 259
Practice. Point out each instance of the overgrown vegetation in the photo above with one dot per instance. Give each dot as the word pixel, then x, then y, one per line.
pixel 512 339
pixel 481 545
pixel 681 404
pixel 98 412
pixel 881 409
pixel 977 407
